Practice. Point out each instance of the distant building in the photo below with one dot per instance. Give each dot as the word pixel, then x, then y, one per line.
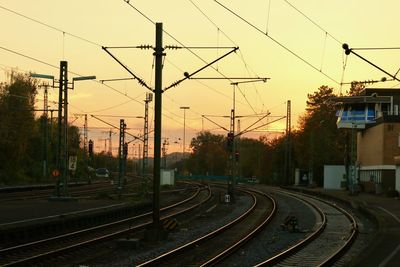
pixel 374 114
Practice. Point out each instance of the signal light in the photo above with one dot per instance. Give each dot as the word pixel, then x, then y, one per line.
pixel 90 148
pixel 230 141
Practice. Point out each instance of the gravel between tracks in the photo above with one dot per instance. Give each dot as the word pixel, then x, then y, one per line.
pixel 270 241
pixel 203 223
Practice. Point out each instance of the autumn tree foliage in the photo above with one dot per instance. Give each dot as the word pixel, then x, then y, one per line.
pixel 18 130
pixel 318 142
pixel 209 154
pixel 22 139
pixel 315 143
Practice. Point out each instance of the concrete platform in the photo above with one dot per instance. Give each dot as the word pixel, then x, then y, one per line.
pixel 15 212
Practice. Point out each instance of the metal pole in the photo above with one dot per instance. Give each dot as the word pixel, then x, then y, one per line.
pixel 120 153
pixel 85 148
pixel 232 153
pixel 65 167
pixel 45 132
pixel 184 130
pixel 59 128
pixel 158 53
pixel 149 98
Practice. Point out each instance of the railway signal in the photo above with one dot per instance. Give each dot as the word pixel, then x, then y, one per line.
pixel 90 148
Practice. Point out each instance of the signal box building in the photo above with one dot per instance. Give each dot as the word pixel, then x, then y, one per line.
pixel 375 116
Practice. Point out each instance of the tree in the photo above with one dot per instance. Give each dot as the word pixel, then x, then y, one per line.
pixel 356 88
pixel 209 154
pixel 319 142
pixel 17 126
pixel 253 158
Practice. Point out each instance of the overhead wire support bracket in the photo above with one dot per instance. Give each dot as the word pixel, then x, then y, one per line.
pixel 140 80
pixel 255 79
pixel 198 47
pixel 260 119
pixel 117 79
pixel 188 76
pixel 222 127
pixel 258 127
pixel 250 80
pixel 348 50
pixel 137 46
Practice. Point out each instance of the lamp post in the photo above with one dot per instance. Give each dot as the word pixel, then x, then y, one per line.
pixel 62 147
pixel 184 129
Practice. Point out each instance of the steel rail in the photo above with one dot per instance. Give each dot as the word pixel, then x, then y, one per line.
pixel 52 252
pixel 305 242
pixel 231 248
pixel 341 250
pixel 248 237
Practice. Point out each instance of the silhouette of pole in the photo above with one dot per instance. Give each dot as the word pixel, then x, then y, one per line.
pixel 184 130
pixel 158 52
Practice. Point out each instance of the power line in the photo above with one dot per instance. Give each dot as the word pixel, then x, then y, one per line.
pixel 57 67
pixel 188 48
pixel 83 39
pixel 49 26
pixel 313 22
pixel 230 39
pixel 170 35
pixel 276 41
pixel 112 107
pixel 31 58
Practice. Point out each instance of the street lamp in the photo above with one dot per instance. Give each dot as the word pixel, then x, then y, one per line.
pixel 184 129
pixel 42 76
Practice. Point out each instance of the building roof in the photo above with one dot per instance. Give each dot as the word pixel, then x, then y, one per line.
pixel 362 99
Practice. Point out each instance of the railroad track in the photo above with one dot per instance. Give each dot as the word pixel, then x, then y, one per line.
pixel 49 248
pixel 336 231
pixel 218 244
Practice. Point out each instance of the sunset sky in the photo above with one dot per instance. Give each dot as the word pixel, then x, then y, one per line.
pixel 297 44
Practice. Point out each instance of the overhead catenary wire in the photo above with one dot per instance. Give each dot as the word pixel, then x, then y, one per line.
pixel 269 10
pixel 108 86
pixel 313 22
pixel 170 35
pixel 57 67
pixel 231 40
pixel 28 57
pixel 276 41
pixel 76 36
pixel 205 85
pixel 49 26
